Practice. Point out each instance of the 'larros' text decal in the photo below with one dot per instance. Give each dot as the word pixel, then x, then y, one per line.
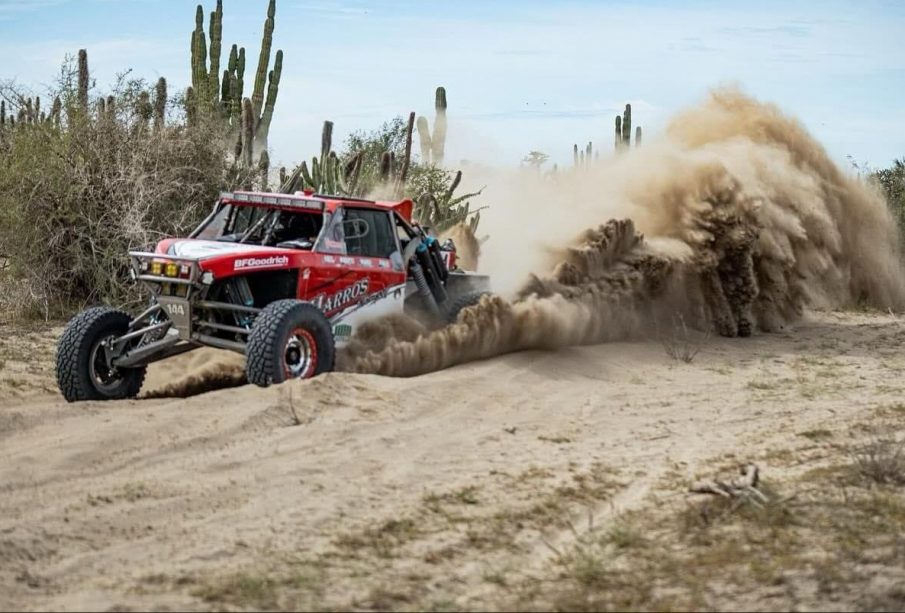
pixel 274 260
pixel 342 297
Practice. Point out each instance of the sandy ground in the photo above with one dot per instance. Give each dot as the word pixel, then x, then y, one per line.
pixel 335 486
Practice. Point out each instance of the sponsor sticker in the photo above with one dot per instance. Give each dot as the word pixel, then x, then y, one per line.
pixel 329 259
pixel 346 260
pixel 343 297
pixel 274 260
pixel 366 262
pixel 342 332
pixel 383 263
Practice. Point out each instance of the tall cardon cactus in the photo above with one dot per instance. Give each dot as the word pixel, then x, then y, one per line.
pixel 222 95
pixel 433 144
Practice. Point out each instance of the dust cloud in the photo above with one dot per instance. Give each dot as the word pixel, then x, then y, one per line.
pixel 736 219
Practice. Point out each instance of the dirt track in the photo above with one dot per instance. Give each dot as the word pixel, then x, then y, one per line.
pixel 153 503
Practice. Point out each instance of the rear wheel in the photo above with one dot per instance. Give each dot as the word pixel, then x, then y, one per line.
pixel 290 339
pixel 84 354
pixel 462 302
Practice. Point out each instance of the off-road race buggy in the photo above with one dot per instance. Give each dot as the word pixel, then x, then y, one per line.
pixel 284 279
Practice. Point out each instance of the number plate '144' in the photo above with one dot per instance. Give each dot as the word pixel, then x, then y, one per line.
pixel 180 313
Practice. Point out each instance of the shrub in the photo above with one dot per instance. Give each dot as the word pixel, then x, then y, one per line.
pixel 79 191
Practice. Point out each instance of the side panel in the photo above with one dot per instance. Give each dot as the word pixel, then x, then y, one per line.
pixel 352 290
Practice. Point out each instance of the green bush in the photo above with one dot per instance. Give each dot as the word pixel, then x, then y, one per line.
pixel 892 181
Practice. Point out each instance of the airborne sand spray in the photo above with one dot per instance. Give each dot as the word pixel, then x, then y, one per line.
pixel 748 222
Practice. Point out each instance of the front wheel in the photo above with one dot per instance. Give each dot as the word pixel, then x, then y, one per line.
pixel 290 339
pixel 84 369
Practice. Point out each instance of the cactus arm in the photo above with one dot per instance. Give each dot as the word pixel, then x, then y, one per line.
pixel 263 61
pixel 247 133
pixel 216 34
pixel 618 143
pixel 272 89
pixel 627 126
pixel 425 137
pixel 356 173
pixel 306 176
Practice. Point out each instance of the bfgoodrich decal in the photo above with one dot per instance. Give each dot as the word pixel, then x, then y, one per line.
pixel 274 260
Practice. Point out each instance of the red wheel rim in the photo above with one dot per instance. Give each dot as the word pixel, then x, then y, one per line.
pixel 300 355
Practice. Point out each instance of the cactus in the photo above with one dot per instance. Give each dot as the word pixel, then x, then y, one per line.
pixel 144 110
pixel 575 155
pixel 624 130
pixel 353 173
pixel 433 146
pixel 160 103
pixel 57 108
pixel 446 211
pixel 386 166
pixel 83 82
pixel 200 76
pixel 627 126
pixel 327 173
pixel 191 107
pixel 2 112
pixel 424 136
pixel 264 168
pixel 222 94
pixel 438 140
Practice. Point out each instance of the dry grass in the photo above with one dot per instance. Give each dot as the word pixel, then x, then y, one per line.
pixel 680 343
pixel 881 461
pixel 834 536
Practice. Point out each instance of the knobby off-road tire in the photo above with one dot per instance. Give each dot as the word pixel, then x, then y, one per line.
pixel 290 339
pixel 82 372
pixel 455 306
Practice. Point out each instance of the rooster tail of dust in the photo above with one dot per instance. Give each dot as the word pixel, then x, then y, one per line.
pixel 747 220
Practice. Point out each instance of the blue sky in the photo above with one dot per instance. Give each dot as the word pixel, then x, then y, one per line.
pixel 521 75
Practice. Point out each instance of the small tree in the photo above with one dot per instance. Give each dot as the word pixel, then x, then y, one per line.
pixel 535 159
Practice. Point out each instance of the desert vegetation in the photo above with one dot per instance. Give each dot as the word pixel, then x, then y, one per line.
pixel 99 171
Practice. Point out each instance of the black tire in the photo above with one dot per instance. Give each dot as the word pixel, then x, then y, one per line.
pixel 282 328
pixel 81 371
pixel 455 306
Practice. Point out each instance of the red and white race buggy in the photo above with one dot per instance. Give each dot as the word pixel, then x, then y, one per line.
pixel 284 279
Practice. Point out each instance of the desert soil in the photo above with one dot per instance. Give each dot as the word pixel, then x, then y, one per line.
pixel 451 490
